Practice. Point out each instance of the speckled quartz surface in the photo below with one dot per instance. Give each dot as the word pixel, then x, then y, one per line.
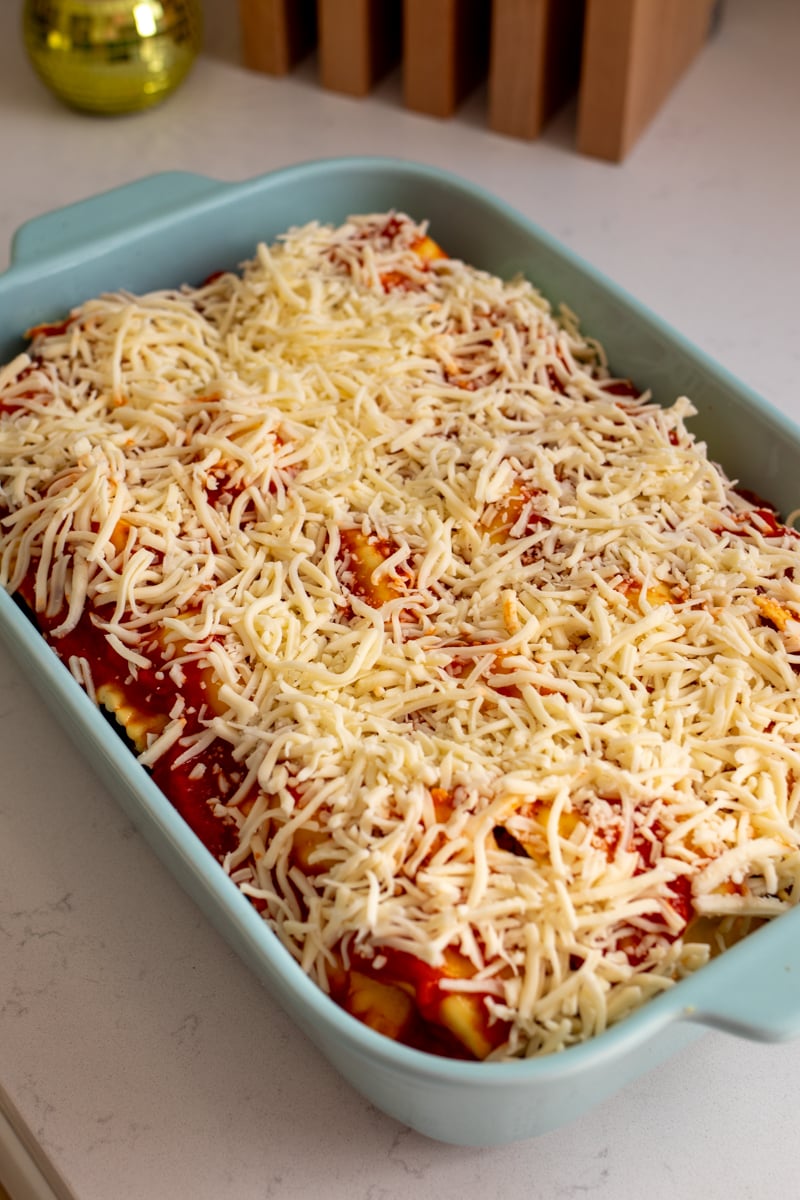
pixel 143 1057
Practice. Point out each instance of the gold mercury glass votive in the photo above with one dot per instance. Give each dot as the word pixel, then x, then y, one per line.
pixel 112 56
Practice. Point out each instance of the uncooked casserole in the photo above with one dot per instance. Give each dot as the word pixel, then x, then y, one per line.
pixel 472 670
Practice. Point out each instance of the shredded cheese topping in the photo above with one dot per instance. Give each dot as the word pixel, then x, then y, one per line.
pixel 509 667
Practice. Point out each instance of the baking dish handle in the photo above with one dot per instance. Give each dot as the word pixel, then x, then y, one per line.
pixel 109 213
pixel 753 989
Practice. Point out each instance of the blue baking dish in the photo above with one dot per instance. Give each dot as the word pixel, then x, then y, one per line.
pixel 174 228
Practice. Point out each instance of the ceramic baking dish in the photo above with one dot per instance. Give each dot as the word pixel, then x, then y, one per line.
pixel 172 228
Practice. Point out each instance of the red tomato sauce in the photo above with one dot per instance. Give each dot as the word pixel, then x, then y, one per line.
pixel 49 330
pixel 151 692
pixel 428 1030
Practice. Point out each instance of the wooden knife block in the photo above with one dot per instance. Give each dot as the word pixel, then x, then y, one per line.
pixel 621 56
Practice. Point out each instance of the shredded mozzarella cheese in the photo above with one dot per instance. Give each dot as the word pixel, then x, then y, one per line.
pixel 423 545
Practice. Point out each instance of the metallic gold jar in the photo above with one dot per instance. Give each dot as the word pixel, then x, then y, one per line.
pixel 112 56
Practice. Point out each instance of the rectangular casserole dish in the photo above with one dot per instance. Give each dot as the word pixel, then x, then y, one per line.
pixel 174 228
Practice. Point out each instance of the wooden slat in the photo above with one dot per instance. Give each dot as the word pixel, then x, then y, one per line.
pixel 276 34
pixel 634 52
pixel 359 41
pixel 445 52
pixel 535 62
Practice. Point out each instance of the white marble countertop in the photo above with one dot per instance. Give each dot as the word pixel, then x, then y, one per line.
pixel 142 1056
